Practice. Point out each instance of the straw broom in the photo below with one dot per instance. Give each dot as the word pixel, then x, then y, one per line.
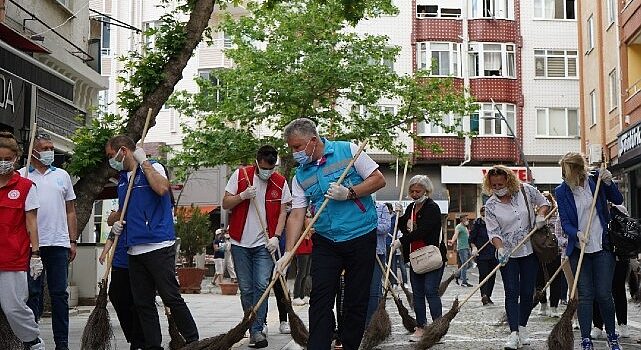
pixel 443 287
pixel 408 321
pixel 540 294
pixel 561 336
pixel 298 330
pixel 177 341
pixel 380 325
pixel 225 341
pixel 437 329
pixel 97 334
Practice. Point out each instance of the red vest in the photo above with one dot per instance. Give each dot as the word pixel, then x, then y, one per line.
pixel 15 247
pixel 273 195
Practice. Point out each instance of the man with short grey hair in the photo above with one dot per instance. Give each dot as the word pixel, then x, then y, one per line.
pixel 345 232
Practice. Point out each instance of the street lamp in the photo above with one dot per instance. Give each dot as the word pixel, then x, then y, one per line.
pixel 520 149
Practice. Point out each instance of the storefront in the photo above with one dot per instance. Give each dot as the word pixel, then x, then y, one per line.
pixel 628 167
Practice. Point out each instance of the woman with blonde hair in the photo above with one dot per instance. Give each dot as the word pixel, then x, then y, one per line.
pixel 574 197
pixel 421 226
pixel 509 217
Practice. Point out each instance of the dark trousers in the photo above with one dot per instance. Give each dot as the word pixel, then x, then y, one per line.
pixel 123 302
pixel 621 271
pixel 556 287
pixel 329 259
pixel 485 267
pixel 303 265
pixel 156 271
pixel 279 293
pixel 519 282
pixel 55 261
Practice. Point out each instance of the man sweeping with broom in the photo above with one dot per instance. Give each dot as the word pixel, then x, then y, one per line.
pixel 148 231
pixel 345 232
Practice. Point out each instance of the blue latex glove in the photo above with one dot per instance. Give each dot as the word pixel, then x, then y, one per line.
pixel 502 255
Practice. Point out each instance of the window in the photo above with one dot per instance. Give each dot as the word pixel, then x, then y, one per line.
pixel 555 63
pixel 173 121
pixel 227 43
pixel 207 74
pixel 612 12
pixel 593 107
pixel 495 9
pixel 149 33
pixel 441 58
pixel 555 9
pixel 487 121
pixel 64 3
pixel 590 32
pixel 492 60
pixel 614 89
pixel 105 41
pixel 433 11
pixel 424 128
pixel 557 122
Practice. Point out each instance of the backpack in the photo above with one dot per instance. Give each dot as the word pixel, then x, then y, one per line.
pixel 544 241
pixel 625 234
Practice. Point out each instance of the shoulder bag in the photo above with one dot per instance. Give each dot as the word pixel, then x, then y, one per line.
pixel 427 258
pixel 544 242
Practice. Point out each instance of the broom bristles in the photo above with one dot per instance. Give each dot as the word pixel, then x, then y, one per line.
pixel 408 321
pixel 298 330
pixel 561 337
pixel 8 339
pixel 225 341
pixel 97 334
pixel 379 328
pixel 177 341
pixel 443 287
pixel 409 295
pixel 538 296
pixel 438 328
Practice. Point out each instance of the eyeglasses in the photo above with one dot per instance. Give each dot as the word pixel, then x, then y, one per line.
pixel 43 136
pixel 496 171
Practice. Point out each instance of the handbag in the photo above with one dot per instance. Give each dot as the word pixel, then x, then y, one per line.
pixel 427 258
pixel 544 241
pixel 625 234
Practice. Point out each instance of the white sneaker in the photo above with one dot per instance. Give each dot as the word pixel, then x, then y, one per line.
pixel 306 300
pixel 36 344
pixel 513 342
pixel 524 336
pixel 596 333
pixel 575 324
pixel 417 335
pixel 284 328
pixel 298 302
pixel 543 311
pixel 554 312
pixel 624 332
pixel 407 286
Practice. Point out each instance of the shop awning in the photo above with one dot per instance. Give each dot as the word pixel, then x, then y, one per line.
pixel 19 41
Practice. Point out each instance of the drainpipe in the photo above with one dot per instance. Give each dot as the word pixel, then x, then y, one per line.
pixel 465 39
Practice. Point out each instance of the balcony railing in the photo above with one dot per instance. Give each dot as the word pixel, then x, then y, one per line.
pixel 634 88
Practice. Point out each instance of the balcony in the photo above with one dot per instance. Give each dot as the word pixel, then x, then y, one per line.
pixel 453 150
pixel 504 90
pixel 437 29
pixel 493 30
pixel 494 149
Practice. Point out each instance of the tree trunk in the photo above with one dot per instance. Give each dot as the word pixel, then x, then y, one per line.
pixel 90 185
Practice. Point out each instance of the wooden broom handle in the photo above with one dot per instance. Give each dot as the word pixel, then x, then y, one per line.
pixel 310 225
pixel 32 139
pixel 400 198
pixel 110 256
pixel 471 257
pixel 587 232
pixel 522 242
pixel 555 274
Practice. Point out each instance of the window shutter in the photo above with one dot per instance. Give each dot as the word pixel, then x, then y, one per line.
pixel 556 67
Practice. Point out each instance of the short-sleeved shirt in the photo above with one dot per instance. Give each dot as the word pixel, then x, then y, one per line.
pixel 219 253
pixel 54 189
pixel 33 200
pixel 509 221
pixel 462 240
pixel 252 232
pixel 364 166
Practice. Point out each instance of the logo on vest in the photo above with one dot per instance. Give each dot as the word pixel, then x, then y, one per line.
pixel 14 194
pixel 274 193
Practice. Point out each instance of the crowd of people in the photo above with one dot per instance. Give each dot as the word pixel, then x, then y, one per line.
pixel 336 270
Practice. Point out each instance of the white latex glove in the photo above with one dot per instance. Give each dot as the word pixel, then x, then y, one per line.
pixel 540 221
pixel 116 229
pixel 282 264
pixel 396 244
pixel 272 245
pixel 398 207
pixel 475 251
pixel 337 192
pixel 35 267
pixel 248 193
pixel 581 237
pixel 139 155
pixel 606 176
pixel 502 255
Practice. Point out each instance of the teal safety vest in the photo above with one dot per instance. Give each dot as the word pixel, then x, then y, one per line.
pixel 340 220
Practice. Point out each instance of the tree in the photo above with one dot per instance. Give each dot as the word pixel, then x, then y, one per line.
pixel 299 58
pixel 195 232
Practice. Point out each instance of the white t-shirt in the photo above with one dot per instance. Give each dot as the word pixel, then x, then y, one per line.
pixel 364 166
pixel 583 200
pixel 33 201
pixel 54 189
pixel 149 247
pixel 252 232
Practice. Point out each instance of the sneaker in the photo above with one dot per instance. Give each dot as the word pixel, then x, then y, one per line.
pixel 524 336
pixel 417 335
pixel 624 332
pixel 543 311
pixel 284 328
pixel 36 344
pixel 513 342
pixel 407 286
pixel 613 342
pixel 596 333
pixel 257 340
pixel 465 284
pixel 586 344
pixel 306 300
pixel 456 280
pixel 338 345
pixel 298 302
pixel 485 300
pixel 554 312
pixel 563 302
pixel 575 324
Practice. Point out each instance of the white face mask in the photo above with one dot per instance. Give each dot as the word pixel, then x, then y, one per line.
pixel 264 174
pixel 420 199
pixel 501 192
pixel 6 166
pixel 46 157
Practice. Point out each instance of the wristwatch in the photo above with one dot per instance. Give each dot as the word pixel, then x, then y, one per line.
pixel 35 253
pixel 73 241
pixel 352 194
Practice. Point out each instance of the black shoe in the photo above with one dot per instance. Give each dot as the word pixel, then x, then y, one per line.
pixel 465 284
pixel 485 300
pixel 62 347
pixel 456 280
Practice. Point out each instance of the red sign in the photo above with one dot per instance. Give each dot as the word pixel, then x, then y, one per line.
pixel 521 173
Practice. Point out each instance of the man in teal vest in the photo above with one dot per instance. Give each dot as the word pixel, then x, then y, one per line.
pixel 345 233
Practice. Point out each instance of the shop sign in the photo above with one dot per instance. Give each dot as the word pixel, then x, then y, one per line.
pixel 475 174
pixel 12 93
pixel 630 143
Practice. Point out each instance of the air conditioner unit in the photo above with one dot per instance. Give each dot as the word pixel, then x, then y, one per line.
pixel 595 153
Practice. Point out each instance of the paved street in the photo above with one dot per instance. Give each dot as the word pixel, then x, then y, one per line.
pixel 475 327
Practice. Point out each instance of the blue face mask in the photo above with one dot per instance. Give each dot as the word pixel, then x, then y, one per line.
pixel 118 165
pixel 301 157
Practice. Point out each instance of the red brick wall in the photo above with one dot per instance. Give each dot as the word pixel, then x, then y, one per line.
pixel 453 150
pixel 432 29
pixel 632 107
pixel 630 21
pixel 500 89
pixel 496 30
pixel 494 149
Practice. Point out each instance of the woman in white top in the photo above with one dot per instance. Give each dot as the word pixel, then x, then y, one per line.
pixel 508 220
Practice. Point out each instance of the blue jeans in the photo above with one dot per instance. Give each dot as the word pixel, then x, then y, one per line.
pixel 375 289
pixel 519 280
pixel 254 268
pixel 55 261
pixel 398 263
pixel 595 284
pixel 425 286
pixel 464 255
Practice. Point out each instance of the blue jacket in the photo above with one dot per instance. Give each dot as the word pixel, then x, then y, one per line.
pixel 340 221
pixel 149 216
pixel 382 228
pixel 121 258
pixel 478 237
pixel 568 212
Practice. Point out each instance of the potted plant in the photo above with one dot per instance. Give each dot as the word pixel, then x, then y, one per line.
pixel 192 227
